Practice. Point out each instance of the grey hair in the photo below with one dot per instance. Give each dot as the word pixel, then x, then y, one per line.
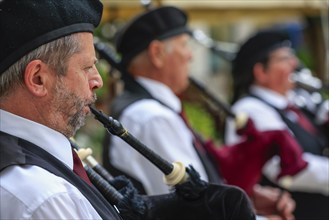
pixel 56 54
pixel 140 58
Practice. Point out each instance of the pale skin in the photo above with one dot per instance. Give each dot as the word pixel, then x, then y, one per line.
pixel 60 103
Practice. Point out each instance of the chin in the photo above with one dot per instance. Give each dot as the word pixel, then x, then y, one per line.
pixel 75 129
pixel 76 122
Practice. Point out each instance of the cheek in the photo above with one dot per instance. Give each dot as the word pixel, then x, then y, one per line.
pixel 82 80
pixel 79 84
pixel 179 66
pixel 283 81
pixel 280 74
pixel 183 63
pixel 286 72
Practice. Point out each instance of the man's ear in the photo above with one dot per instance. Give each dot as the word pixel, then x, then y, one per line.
pixel 156 52
pixel 259 73
pixel 35 76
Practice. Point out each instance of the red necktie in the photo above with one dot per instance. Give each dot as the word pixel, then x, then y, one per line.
pixel 301 119
pixel 196 139
pixel 78 168
pixel 210 169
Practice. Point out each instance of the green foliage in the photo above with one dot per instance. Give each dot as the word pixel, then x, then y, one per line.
pixel 201 121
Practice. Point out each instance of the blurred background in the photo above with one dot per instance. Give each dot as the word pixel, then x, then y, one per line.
pixel 219 27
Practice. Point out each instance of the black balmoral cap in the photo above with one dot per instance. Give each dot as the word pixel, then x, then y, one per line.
pixel 156 24
pixel 28 24
pixel 257 47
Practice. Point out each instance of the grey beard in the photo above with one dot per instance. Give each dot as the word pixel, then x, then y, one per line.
pixel 77 120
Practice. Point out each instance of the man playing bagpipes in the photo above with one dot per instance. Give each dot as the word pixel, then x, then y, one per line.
pixel 262 73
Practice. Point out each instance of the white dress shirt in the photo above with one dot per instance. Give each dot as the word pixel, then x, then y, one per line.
pixel 315 178
pixel 160 129
pixel 31 192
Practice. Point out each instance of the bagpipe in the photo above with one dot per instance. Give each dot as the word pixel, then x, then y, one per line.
pixel 191 198
pixel 239 164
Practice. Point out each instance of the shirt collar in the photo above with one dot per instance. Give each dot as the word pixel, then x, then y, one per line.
pixel 273 98
pixel 48 139
pixel 161 92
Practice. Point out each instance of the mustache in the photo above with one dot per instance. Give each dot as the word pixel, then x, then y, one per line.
pixel 92 100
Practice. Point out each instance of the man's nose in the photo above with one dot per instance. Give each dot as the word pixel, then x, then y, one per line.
pixel 96 81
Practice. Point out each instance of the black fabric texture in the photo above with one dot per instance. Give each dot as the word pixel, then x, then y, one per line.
pixel 27 24
pixel 217 202
pixel 155 24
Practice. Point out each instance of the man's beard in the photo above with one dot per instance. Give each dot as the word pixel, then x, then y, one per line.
pixel 77 120
pixel 70 108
